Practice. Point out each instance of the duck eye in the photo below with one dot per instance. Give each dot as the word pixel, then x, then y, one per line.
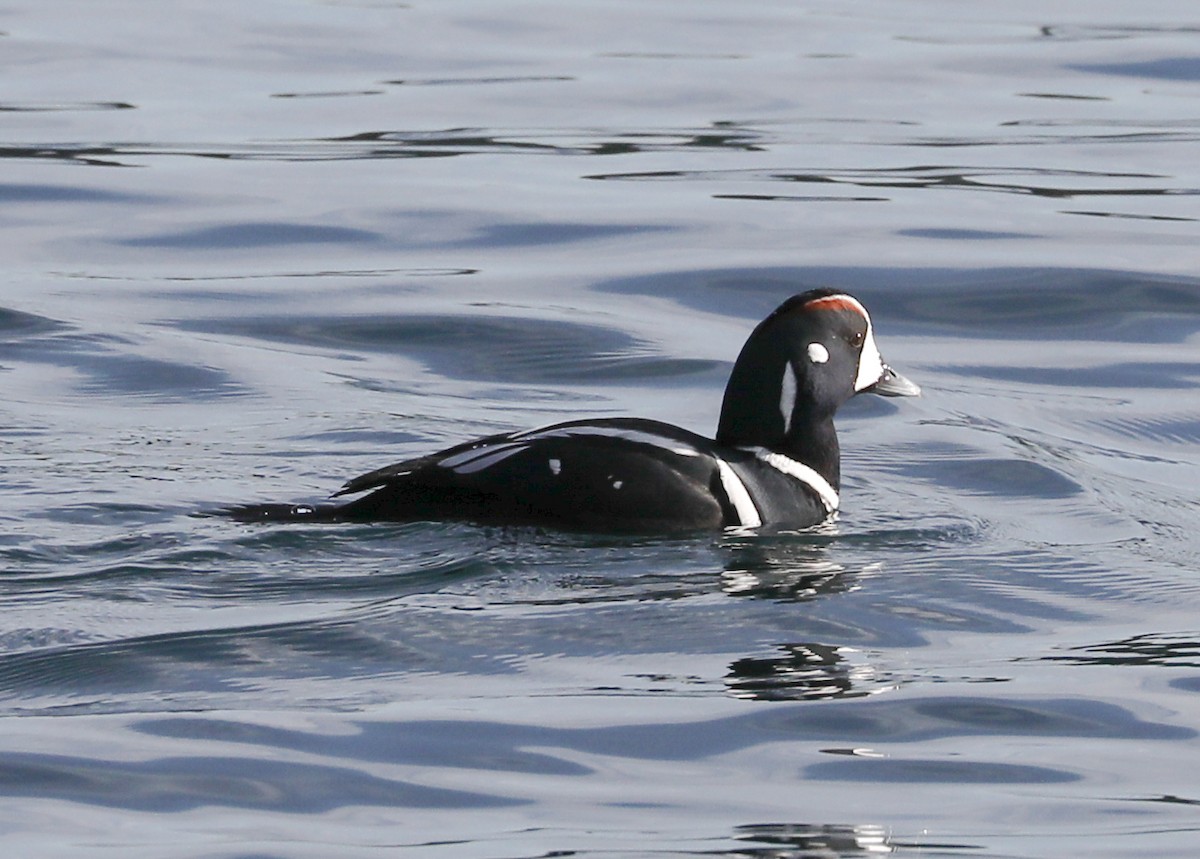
pixel 857 338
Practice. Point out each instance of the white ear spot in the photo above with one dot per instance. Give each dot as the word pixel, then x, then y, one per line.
pixel 817 353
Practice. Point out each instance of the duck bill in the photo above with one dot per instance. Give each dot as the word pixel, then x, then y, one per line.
pixel 892 384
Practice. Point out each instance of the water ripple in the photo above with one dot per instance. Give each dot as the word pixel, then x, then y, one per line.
pixel 375 145
pixel 1055 183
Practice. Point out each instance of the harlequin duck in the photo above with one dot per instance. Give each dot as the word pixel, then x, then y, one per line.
pixel 774 462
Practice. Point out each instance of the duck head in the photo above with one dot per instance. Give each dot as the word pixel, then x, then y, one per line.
pixel 799 365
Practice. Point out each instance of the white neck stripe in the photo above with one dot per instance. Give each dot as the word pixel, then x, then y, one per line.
pixel 806 475
pixel 787 396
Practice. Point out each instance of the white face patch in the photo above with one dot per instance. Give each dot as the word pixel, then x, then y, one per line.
pixel 555 466
pixel 787 395
pixel 817 353
pixel 870 364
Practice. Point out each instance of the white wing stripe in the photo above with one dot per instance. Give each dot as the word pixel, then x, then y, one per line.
pixel 801 472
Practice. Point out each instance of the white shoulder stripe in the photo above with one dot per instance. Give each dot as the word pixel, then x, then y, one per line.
pixel 479 458
pixel 743 505
pixel 801 472
pixel 632 435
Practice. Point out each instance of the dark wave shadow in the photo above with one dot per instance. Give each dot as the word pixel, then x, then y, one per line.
pixel 185 662
pixel 894 770
pixel 172 785
pixel 348 93
pixel 104 366
pixel 1166 68
pixel 64 106
pixel 476 81
pixel 253 235
pixel 17 323
pixel 31 192
pixel 849 726
pixel 487 348
pixel 964 470
pixel 1149 375
pixel 992 303
pixel 408 230
pixel 962 235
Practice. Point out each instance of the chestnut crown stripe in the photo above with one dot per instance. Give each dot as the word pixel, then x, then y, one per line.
pixel 837 302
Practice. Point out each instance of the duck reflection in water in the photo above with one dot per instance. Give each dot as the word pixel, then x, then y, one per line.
pixel 785 567
pixel 790 570
pixel 782 840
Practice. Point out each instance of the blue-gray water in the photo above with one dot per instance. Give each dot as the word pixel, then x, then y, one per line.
pixel 252 249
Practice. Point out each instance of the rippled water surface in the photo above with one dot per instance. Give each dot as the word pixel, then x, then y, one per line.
pixel 252 249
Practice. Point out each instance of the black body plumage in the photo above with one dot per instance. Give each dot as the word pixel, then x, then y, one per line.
pixel 774 462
